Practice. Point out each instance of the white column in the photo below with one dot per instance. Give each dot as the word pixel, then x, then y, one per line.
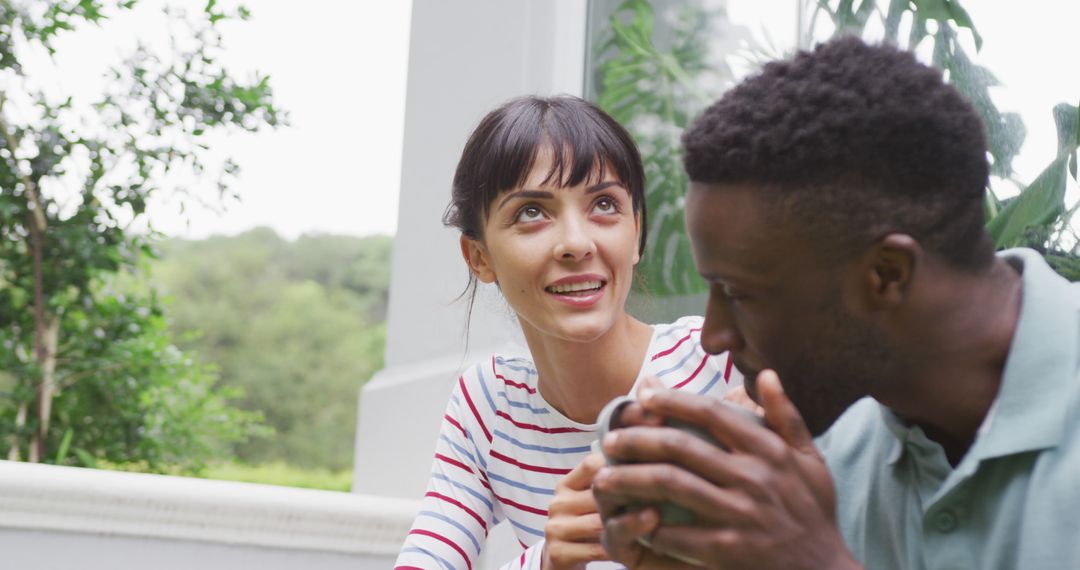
pixel 466 57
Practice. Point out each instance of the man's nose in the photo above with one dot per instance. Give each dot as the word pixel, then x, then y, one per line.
pixel 720 333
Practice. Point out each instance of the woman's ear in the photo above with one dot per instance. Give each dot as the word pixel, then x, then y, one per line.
pixel 476 257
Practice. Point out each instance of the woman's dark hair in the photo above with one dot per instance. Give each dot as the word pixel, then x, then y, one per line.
pixel 585 142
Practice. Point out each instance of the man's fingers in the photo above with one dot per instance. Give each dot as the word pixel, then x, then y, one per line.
pixel 672 445
pixel 783 417
pixel 726 423
pixel 656 483
pixel 693 543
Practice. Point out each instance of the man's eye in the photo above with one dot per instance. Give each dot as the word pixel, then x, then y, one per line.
pixel 605 206
pixel 529 214
pixel 729 293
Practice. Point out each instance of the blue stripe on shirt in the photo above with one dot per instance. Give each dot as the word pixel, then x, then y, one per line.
pixel 418 550
pixel 506 363
pixel 544 448
pixel 478 495
pixel 453 523
pixel 520 485
pixel 715 379
pixel 483 386
pixel 527 529
pixel 522 404
pixel 677 366
pixel 458 448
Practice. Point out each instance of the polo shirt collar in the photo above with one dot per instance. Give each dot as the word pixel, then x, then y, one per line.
pixel 1031 407
pixel 1030 411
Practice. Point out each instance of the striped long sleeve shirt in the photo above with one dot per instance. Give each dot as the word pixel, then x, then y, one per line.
pixel 502 449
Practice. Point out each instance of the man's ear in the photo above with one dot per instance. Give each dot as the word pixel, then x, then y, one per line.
pixel 890 269
pixel 476 257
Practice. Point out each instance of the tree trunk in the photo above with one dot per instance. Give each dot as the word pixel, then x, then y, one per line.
pixel 20 421
pixel 46 390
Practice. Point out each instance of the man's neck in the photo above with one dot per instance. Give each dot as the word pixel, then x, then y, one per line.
pixel 967 327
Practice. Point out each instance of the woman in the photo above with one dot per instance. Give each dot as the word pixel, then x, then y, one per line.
pixel 549 196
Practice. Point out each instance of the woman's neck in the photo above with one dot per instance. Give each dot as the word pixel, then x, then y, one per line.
pixel 578 378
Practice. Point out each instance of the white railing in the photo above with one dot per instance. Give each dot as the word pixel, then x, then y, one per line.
pixel 50 516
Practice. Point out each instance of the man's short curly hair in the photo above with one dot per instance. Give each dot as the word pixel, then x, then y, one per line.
pixel 854 142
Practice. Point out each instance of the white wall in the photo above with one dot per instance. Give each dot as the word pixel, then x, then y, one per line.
pixel 64 517
pixel 466 57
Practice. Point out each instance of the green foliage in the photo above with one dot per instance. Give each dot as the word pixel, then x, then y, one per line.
pixel 653 76
pixel 278 473
pixel 654 88
pixel 93 373
pixel 319 302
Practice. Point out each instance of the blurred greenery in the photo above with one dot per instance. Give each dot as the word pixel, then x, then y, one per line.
pixel 655 67
pixel 297 326
pixel 278 473
pixel 90 372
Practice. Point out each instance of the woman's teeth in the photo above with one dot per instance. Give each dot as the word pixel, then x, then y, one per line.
pixel 575 287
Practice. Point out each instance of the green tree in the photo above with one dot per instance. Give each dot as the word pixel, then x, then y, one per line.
pixel 653 76
pixel 88 368
pixel 299 326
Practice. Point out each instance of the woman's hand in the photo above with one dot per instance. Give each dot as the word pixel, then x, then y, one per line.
pixel 572 532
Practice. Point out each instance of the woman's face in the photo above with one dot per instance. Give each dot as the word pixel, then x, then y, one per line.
pixel 563 257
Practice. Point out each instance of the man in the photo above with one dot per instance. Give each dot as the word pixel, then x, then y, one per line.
pixel 835 209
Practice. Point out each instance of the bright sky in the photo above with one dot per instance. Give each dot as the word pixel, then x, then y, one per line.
pixel 339 68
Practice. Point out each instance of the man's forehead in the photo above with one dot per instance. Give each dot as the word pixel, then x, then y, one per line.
pixel 733 231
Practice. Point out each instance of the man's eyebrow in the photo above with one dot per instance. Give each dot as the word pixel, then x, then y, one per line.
pixel 524 194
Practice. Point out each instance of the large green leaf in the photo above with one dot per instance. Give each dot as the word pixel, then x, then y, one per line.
pixel 1038 206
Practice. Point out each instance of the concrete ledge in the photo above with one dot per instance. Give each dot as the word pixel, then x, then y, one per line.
pixel 67 499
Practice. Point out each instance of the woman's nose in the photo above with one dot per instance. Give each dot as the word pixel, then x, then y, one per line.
pixel 574 241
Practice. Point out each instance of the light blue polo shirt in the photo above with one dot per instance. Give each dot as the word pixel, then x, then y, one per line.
pixel 1014 499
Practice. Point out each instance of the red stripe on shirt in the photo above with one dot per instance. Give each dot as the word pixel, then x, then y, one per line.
pixel 455 423
pixel 476 414
pixel 453 462
pixel 526 466
pixel 459 505
pixel 692 376
pixel 525 387
pixel 672 349
pixel 522 507
pixel 533 427
pixel 449 542
pixel 727 369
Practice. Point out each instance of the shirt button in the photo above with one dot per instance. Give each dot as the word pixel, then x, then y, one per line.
pixel 946 521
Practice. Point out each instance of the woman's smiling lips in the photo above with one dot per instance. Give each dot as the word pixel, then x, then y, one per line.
pixel 578 290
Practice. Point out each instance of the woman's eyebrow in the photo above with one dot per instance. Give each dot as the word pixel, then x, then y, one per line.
pixel 524 194
pixel 603 186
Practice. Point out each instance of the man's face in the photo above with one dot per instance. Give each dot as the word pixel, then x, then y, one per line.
pixel 775 302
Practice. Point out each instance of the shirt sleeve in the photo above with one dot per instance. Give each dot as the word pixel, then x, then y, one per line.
pixel 458 508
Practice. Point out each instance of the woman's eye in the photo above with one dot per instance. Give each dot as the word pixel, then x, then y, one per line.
pixel 529 214
pixel 605 206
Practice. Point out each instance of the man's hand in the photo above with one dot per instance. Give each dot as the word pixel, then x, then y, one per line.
pixel 769 502
pixel 572 532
